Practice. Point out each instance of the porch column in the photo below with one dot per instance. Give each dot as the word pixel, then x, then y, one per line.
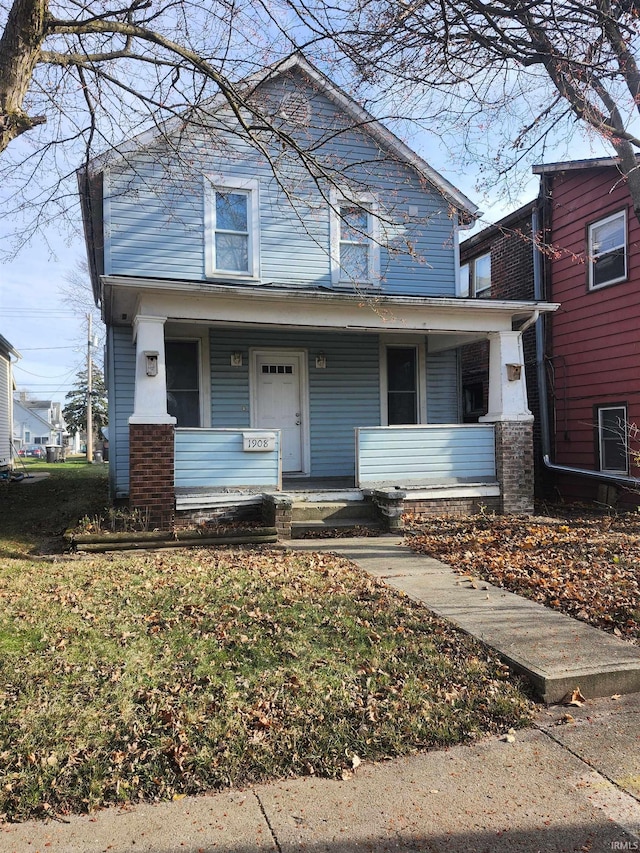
pixel 151 428
pixel 513 422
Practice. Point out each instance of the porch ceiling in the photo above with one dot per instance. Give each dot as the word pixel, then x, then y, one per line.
pixel 270 306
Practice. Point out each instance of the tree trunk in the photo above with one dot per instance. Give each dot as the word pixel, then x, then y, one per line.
pixel 19 51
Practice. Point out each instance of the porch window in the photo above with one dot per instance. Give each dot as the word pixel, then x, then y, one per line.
pixel 402 385
pixel 354 242
pixel 232 230
pixel 612 438
pixel 607 250
pixel 183 384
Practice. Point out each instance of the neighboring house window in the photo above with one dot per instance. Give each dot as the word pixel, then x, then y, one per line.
pixel 183 383
pixel 612 438
pixel 402 385
pixel 27 436
pixel 473 397
pixel 607 250
pixel 232 228
pixel 355 242
pixel 475 277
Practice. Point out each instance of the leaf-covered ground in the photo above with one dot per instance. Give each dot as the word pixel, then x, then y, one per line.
pixel 147 676
pixel 588 567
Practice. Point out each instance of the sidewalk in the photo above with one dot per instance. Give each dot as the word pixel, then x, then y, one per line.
pixel 558 787
pixel 571 783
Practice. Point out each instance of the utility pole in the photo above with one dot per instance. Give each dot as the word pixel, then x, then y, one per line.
pixel 89 390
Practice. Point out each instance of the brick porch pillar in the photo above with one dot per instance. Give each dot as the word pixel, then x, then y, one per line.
pixel 151 429
pixel 513 422
pixel 514 466
pixel 151 477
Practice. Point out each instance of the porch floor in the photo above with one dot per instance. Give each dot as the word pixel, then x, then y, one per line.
pixel 317 484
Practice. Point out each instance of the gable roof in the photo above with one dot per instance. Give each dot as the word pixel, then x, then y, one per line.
pixel 361 119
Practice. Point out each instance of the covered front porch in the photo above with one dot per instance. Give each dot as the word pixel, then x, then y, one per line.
pixel 224 474
pixel 318 394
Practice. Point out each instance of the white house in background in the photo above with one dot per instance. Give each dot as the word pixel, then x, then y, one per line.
pixel 37 422
pixel 7 352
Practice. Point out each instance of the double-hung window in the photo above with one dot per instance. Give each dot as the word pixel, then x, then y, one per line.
pixel 612 428
pixel 475 277
pixel 355 242
pixel 607 250
pixel 232 228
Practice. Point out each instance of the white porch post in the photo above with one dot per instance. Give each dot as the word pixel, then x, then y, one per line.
pixel 150 398
pixel 507 383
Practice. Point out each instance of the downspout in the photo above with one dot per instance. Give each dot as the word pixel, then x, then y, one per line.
pixel 632 482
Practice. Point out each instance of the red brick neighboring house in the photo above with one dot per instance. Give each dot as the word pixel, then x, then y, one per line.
pixel 500 262
pixel 594 272
pixel 583 363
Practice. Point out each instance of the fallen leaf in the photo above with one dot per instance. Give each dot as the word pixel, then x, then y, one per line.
pixel 573 697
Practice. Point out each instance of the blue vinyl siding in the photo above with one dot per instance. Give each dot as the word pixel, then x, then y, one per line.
pixel 155 226
pixel 121 367
pixel 426 454
pixel 344 395
pixel 216 459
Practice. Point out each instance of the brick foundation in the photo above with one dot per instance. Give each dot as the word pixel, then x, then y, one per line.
pixel 151 478
pixel 278 512
pixel 514 466
pixel 212 518
pixel 416 510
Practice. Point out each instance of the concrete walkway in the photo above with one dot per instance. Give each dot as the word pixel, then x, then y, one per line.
pixel 555 652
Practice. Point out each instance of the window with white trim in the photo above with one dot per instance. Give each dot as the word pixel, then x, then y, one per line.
pixel 355 247
pixel 183 382
pixel 613 454
pixel 402 385
pixel 232 228
pixel 475 277
pixel 607 250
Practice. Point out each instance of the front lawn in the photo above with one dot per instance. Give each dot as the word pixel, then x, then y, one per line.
pixel 142 676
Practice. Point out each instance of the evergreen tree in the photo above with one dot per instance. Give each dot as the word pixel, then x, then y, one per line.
pixel 75 410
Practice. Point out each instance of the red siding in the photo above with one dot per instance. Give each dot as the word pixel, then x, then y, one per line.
pixel 596 349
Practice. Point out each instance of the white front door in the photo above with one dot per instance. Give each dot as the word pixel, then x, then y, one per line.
pixel 278 402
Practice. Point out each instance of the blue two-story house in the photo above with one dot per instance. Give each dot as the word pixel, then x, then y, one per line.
pixel 286 317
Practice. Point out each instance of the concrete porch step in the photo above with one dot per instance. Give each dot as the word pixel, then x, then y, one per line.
pixel 333 511
pixel 300 529
pixel 318 517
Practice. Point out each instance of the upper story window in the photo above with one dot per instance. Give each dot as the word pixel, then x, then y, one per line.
pixel 475 277
pixel 232 228
pixel 355 249
pixel 612 439
pixel 607 250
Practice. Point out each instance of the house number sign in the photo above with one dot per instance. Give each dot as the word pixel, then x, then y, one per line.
pixel 258 441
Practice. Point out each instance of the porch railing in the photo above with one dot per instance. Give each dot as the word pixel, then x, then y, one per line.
pixel 425 455
pixel 227 459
